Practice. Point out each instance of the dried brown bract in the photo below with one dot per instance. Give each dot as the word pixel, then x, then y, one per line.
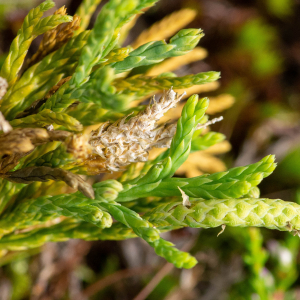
pixel 31 174
pixel 121 143
pixel 79 146
pixel 58 135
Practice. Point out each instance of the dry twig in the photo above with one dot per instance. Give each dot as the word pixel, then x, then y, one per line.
pixel 31 174
pixel 24 140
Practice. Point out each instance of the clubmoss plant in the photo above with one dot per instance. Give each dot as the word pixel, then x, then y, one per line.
pixel 80 78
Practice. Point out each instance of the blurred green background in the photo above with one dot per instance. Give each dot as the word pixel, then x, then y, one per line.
pixel 256 46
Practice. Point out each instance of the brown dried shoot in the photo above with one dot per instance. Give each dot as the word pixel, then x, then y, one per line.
pixel 55 38
pixel 23 140
pixel 20 142
pixel 8 162
pixel 32 174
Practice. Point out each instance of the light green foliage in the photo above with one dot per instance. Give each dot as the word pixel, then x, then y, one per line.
pixel 36 81
pixel 23 40
pixel 269 213
pixel 192 114
pixel 33 26
pixel 234 183
pixel 170 253
pixel 92 113
pixel 38 152
pixel 46 117
pixel 140 86
pixel 272 266
pixel 57 158
pixel 207 140
pixel 85 12
pixel 102 39
pixel 7 190
pixel 154 52
pixel 70 229
pixel 36 211
pixel 50 22
pixel 99 90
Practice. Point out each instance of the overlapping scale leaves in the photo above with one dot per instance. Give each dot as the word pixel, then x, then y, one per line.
pixel 82 77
